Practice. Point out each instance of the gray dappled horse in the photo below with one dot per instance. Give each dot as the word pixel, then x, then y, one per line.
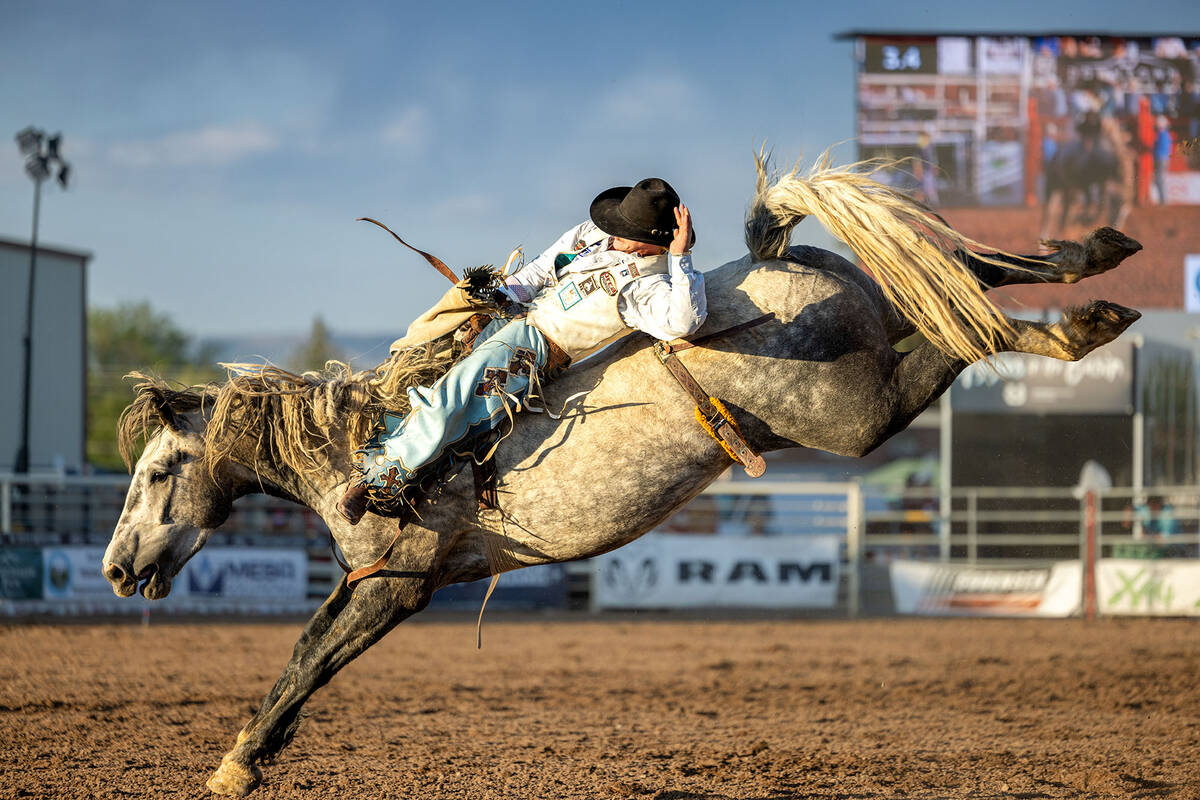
pixel 822 374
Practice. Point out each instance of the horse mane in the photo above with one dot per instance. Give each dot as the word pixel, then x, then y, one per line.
pixel 293 418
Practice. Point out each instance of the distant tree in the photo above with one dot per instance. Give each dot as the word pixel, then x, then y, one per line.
pixel 133 336
pixel 319 348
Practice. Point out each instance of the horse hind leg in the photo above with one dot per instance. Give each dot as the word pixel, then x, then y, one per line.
pixel 1081 330
pixel 1069 262
pixel 1100 251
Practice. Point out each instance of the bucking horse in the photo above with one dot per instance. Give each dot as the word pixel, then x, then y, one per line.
pixel 824 372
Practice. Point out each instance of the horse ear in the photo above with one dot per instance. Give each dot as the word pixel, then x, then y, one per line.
pixel 162 406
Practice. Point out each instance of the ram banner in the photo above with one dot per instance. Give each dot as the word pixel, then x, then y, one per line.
pixel 681 571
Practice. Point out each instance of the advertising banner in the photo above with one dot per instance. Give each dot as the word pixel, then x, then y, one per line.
pixel 245 572
pixel 679 571
pixel 73 573
pixel 1022 383
pixel 543 586
pixel 920 587
pixel 1129 586
pixel 1191 283
pixel 20 573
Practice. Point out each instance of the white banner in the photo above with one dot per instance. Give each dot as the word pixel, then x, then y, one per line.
pixel 1159 587
pixel 920 587
pixel 1191 283
pixel 245 572
pixel 73 573
pixel 682 571
pixel 1183 188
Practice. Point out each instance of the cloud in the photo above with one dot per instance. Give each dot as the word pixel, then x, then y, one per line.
pixel 211 146
pixel 409 131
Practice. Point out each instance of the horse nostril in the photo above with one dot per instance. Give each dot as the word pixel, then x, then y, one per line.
pixel 114 574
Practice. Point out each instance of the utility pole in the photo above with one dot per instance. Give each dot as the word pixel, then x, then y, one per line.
pixel 42 159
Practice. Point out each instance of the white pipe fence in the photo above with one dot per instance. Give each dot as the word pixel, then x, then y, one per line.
pixel 991 525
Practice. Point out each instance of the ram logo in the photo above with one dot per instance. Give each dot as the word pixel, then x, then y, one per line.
pixel 631 578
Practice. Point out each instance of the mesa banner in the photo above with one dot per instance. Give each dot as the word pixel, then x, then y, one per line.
pixel 246 572
pixel 920 587
pixel 1145 587
pixel 73 573
pixel 682 571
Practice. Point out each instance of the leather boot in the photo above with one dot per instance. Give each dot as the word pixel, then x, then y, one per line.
pixel 353 504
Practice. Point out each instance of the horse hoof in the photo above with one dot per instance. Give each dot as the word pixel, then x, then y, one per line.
pixel 234 780
pixel 1097 323
pixel 1107 247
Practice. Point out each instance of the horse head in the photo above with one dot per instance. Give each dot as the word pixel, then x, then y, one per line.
pixel 175 500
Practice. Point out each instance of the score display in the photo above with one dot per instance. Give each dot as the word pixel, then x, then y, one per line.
pixel 913 57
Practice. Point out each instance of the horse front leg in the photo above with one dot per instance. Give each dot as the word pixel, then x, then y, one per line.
pixel 374 607
pixel 314 630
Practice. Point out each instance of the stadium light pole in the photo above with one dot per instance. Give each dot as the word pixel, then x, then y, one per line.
pixel 42 159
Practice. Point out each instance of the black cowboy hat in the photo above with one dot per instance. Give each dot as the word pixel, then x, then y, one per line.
pixel 643 213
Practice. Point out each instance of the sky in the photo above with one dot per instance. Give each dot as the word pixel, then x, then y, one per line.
pixel 221 152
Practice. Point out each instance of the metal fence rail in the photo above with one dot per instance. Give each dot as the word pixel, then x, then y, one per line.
pixel 1035 524
pixel 992 525
pixel 41 510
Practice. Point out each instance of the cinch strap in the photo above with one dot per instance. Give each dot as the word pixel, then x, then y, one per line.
pixel 711 412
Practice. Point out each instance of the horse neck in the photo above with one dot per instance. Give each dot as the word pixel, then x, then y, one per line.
pixel 255 474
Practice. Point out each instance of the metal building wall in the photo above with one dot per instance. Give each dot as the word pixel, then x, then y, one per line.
pixel 58 410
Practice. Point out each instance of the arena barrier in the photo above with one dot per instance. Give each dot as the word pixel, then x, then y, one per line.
pixel 756 544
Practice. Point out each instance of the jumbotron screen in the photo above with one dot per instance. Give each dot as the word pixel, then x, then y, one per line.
pixel 1101 121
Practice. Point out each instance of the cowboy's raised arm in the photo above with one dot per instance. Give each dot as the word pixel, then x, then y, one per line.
pixel 673 305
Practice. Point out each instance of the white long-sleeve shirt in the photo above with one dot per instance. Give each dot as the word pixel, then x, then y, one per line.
pixel 664 306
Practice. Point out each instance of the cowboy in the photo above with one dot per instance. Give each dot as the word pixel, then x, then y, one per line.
pixel 628 268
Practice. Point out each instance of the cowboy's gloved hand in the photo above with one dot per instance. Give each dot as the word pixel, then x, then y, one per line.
pixel 482 284
pixel 683 231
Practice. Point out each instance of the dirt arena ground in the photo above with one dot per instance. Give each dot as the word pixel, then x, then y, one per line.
pixel 579 707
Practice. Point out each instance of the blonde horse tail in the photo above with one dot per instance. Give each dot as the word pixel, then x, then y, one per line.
pixel 908 250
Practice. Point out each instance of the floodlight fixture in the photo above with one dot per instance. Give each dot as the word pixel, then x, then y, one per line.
pixel 29 140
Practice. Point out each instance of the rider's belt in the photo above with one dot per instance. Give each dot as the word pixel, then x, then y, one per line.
pixel 710 412
pixel 556 358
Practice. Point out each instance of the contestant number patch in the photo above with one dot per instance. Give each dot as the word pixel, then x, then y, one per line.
pixel 569 295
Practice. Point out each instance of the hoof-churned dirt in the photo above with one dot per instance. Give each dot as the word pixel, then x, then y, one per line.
pixel 586 708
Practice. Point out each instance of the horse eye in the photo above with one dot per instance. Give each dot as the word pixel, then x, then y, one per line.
pixel 158 477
